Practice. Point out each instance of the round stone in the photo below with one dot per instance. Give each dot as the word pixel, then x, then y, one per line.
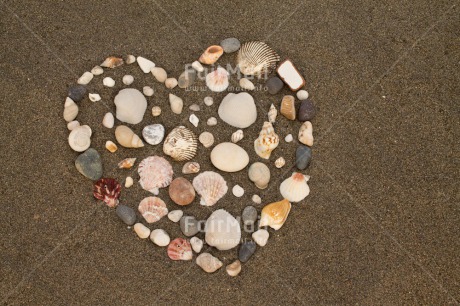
pixel 189 226
pixel 238 191
pixel 246 250
pixel 230 45
pixel 274 85
pixel 229 157
pixel 307 111
pixel 175 215
pixel 147 91
pixel 89 164
pixel 249 215
pixel 77 92
pixel 208 101
pixel 153 134
pixel 128 79
pixel 160 237
pixel 131 105
pixel 302 95
pixel 126 214
pixel 288 138
pixel 302 157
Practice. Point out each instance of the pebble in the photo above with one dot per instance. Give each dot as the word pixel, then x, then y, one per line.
pixel 288 138
pixel 153 134
pixel 131 105
pixel 197 66
pixel 256 199
pixel 189 226
pixel 77 92
pixel 261 237
pixel 111 146
pixel 148 91
pixel 94 97
pixel 187 78
pixel 246 250
pixel 89 164
pixel 128 79
pixel 208 101
pixel 97 70
pixel 197 244
pixel 70 110
pixel 129 182
pixel 176 104
pixel 302 95
pixel 194 120
pixel 249 215
pixel 175 215
pixel 238 110
pixel 141 230
pixel 307 111
pixel 85 78
pixel 170 83
pixel 129 59
pixel 194 108
pixel 229 157
pixel 126 214
pixel 280 162
pixel 212 121
pixel 108 81
pixel 156 111
pixel 274 85
pixel 238 191
pixel 302 157
pixel 230 45
pixel 208 263
pixel 160 237
pixel 234 268
pixel 72 125
pixel 145 64
pixel 108 121
pixel 159 74
pixel 246 84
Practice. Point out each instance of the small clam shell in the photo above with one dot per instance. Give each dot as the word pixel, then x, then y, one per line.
pixel 208 263
pixel 176 104
pixel 259 174
pixel 280 162
pixel 108 121
pixel 85 78
pixel 170 83
pixel 94 97
pixel 197 66
pixel 206 139
pixel 152 209
pixel 112 62
pixel 110 146
pixel 156 111
pixel 108 82
pixel 128 79
pixel 129 182
pixel 234 268
pixel 237 136
pixel 211 55
pixel 256 199
pixel 217 80
pixel 306 133
pixel 97 70
pixel 70 110
pixel 275 214
pixel 272 113
pixel 212 121
pixel 80 138
pixel 246 84
pixel 256 58
pixel 180 249
pixel 129 59
pixel 211 186
pixel 191 167
pixel 155 172
pixel 197 244
pixel 181 191
pixel 127 163
pixel 147 91
pixel 146 65
pixel 295 188
pixel 160 237
pixel 181 144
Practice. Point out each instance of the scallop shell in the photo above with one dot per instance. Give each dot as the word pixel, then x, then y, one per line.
pixel 152 209
pixel 295 188
pixel 256 58
pixel 211 55
pixel 272 113
pixel 206 139
pixel 181 191
pixel 211 186
pixel 112 62
pixel 267 141
pixel 259 174
pixel 280 162
pixel 180 249
pixel 208 263
pixel 306 133
pixel 126 137
pixel 107 190
pixel 127 163
pixel 155 172
pixel 191 167
pixel 275 214
pixel 181 144
pixel 217 80
pixel 237 136
pixel 80 138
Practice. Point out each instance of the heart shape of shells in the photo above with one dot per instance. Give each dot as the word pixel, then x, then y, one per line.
pixel 238 109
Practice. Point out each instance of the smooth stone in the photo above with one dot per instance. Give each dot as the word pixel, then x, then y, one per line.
pixel 246 250
pixel 208 101
pixel 238 191
pixel 194 120
pixel 288 138
pixel 249 215
pixel 256 199
pixel 131 105
pixel 73 125
pixel 94 97
pixel 234 268
pixel 128 79
pixel 229 157
pixel 145 64
pixel 126 214
pixel 141 230
pixel 159 74
pixel 208 263
pixel 274 85
pixel 108 81
pixel 77 92
pixel 246 84
pixel 307 111
pixel 170 83
pixel 230 45
pixel 147 91
pixel 302 157
pixel 194 108
pixel 238 110
pixel 153 134
pixel 302 95
pixel 89 164
pixel 187 78
pixel 176 104
pixel 160 237
pixel 189 226
pixel 175 215
pixel 197 66
pixel 108 121
pixel 261 237
pixel 85 78
pixel 129 182
pixel 97 70
pixel 197 244
pixel 129 59
pixel 212 121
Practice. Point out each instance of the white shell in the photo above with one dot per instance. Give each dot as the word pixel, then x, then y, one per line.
pixel 159 74
pixel 156 111
pixel 147 91
pixel 212 121
pixel 217 80
pixel 237 136
pixel 108 81
pixel 259 174
pixel 85 78
pixel 295 188
pixel 176 104
pixel 145 64
pixel 267 141
pixel 126 137
pixel 256 199
pixel 170 83
pixel 141 230
pixel 194 120
pixel 238 191
pixel 238 110
pixel 129 182
pixel 272 113
pixel 256 58
pixel 197 66
pixel 160 237
pixel 175 215
pixel 197 244
pixel 288 138
pixel 131 105
pixel 261 237
pixel 280 162
pixel 80 138
pixel 302 95
pixel 290 75
pixel 181 144
pixel 108 121
pixel 130 59
pixel 246 84
pixel 306 133
pixel 222 230
pixel 208 263
pixel 111 146
pixel 128 79
pixel 70 110
pixel 206 139
pixel 208 101
pixel 94 97
pixel 97 70
pixel 211 186
pixel 72 125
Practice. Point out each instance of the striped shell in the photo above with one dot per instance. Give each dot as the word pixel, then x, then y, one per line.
pixel 181 144
pixel 256 58
pixel 152 209
pixel 155 172
pixel 211 186
pixel 295 188
pixel 107 190
pixel 180 249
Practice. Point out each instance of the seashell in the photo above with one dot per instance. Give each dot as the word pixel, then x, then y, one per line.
pixel 112 62
pixel 176 104
pixel 197 66
pixel 234 268
pixel 229 157
pixel 156 111
pixel 131 105
pixel 302 95
pixel 194 108
pixel 256 58
pixel 222 230
pixel 126 137
pixel 129 59
pixel 290 75
pixel 208 101
pixel 217 80
pixel 295 188
pixel 145 64
pixel 237 136
pixel 170 83
pixel 94 97
pixel 160 237
pixel 212 121
pixel 97 70
pixel 238 110
pixel 206 139
pixel 261 237
pixel 246 84
pixel 80 138
pixel 211 186
pixel 155 172
pixel 180 144
pixel 208 263
pixel 70 110
pixel 152 209
pixel 259 174
pixel 306 133
pixel 275 214
pixel 175 215
pixel 109 145
pixel 287 108
pixel 159 74
pixel 129 182
pixel 191 167
pixel 272 113
pixel 238 191
pixel 127 163
pixel 256 199
pixel 211 55
pixel 197 244
pixel 108 121
pixel 280 162
pixel 128 79
pixel 85 78
pixel 153 134
pixel 194 120
pixel 107 190
pixel 268 140
pixel 181 191
pixel 180 249
pixel 141 230
pixel 288 138
pixel 147 91
pixel 108 81
pixel 72 125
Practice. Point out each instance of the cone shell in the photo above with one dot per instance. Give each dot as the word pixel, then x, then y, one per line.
pixel 206 139
pixel 152 209
pixel 126 137
pixel 181 191
pixel 256 58
pixel 211 186
pixel 237 136
pixel 275 214
pixel 181 144
pixel 180 249
pixel 191 167
pixel 267 141
pixel 272 113
pixel 208 263
pixel 107 190
pixel 112 62
pixel 259 174
pixel 288 107
pixel 295 188
pixel 217 80
pixel 155 172
pixel 127 163
pixel 211 55
pixel 80 138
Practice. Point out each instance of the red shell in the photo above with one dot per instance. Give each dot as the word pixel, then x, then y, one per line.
pixel 107 190
pixel 180 249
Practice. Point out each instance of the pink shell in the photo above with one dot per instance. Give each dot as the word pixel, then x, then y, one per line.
pixel 107 190
pixel 180 249
pixel 155 172
pixel 152 209
pixel 211 186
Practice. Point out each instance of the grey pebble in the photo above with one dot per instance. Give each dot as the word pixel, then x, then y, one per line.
pixel 249 215
pixel 230 45
pixel 77 92
pixel 126 214
pixel 89 164
pixel 153 134
pixel 274 85
pixel 189 226
pixel 302 157
pixel 307 111
pixel 187 78
pixel 246 250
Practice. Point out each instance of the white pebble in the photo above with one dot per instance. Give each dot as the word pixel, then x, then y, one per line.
pixel 85 78
pixel 160 237
pixel 97 70
pixel 128 79
pixel 141 230
pixel 175 215
pixel 129 182
pixel 212 121
pixel 194 120
pixel 130 59
pixel 73 124
pixel 194 108
pixel 288 138
pixel 108 120
pixel 261 237
pixel 156 111
pixel 238 191
pixel 208 101
pixel 108 81
pixel 197 66
pixel 148 91
pixel 170 83
pixel 145 64
pixel 197 244
pixel 94 97
pixel 256 199
pixel 302 95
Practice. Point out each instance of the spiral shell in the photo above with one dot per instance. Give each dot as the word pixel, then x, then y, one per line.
pixel 237 136
pixel 180 249
pixel 112 62
pixel 206 139
pixel 256 58
pixel 127 138
pixel 127 163
pixel 181 144
pixel 80 138
pixel 211 186
pixel 259 174
pixel 155 172
pixel 272 113
pixel 267 141
pixel 152 209
pixel 70 110
pixel 295 188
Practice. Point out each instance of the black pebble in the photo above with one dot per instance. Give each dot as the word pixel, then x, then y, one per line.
pixel 307 111
pixel 274 85
pixel 89 164
pixel 302 157
pixel 126 214
pixel 77 92
pixel 189 226
pixel 246 250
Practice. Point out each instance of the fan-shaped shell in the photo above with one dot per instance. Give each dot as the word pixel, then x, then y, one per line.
pixel 211 186
pixel 155 172
pixel 180 249
pixel 152 209
pixel 181 144
pixel 275 214
pixel 256 58
pixel 295 188
pixel 191 167
pixel 80 138
pixel 217 80
pixel 107 190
